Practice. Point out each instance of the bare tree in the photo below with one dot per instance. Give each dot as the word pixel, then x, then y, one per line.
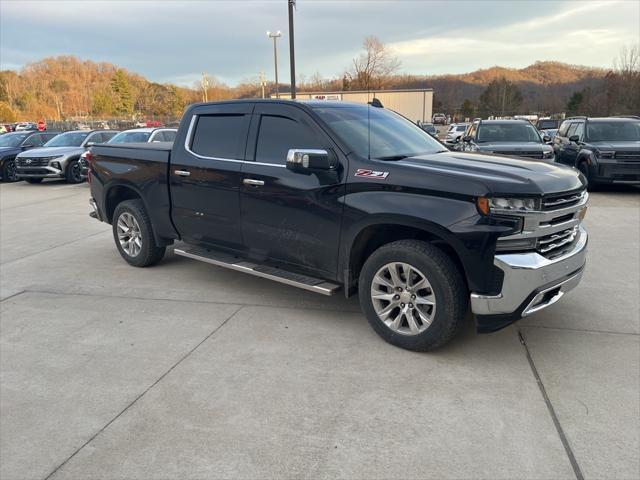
pixel 373 67
pixel 628 60
pixel 622 86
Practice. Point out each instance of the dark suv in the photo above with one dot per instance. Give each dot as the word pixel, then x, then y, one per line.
pixel 11 144
pixel 507 137
pixel 605 150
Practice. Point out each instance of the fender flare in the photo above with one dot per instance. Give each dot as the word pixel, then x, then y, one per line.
pixel 438 231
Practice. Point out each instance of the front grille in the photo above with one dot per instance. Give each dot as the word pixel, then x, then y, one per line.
pixel 630 171
pixel 627 156
pixel 32 162
pixel 550 244
pixel 554 202
pixel 36 171
pixel 538 155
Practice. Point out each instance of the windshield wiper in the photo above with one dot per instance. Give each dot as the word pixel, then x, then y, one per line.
pixel 401 156
pixel 394 157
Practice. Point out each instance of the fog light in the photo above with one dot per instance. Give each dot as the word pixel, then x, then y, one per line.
pixel 56 165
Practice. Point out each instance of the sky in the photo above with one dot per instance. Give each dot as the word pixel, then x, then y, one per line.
pixel 176 40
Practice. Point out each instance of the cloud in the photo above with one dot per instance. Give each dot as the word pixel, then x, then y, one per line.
pixel 177 40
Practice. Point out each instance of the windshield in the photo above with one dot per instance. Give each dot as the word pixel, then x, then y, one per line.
pixel 508 132
pixel 130 137
pixel 613 131
pixel 12 139
pixel 373 132
pixel 69 139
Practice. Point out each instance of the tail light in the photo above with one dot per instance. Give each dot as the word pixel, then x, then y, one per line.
pixel 88 157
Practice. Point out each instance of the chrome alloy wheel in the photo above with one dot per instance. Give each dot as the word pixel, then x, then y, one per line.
pixel 129 234
pixel 403 298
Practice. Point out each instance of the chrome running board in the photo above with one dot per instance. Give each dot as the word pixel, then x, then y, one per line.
pixel 272 273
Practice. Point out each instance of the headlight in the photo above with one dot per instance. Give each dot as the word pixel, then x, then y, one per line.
pixel 548 154
pixel 487 205
pixel 605 154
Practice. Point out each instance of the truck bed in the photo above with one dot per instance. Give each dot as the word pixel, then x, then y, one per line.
pixel 141 167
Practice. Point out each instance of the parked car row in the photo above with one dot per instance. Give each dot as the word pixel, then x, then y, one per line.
pixel 605 150
pixel 33 156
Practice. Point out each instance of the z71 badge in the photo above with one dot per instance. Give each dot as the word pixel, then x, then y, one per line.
pixel 363 172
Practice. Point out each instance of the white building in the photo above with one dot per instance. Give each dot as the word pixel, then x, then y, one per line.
pixel 413 104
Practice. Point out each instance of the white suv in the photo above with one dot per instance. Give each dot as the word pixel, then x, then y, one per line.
pixel 455 133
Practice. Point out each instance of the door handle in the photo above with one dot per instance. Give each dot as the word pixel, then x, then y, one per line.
pixel 253 182
pixel 182 173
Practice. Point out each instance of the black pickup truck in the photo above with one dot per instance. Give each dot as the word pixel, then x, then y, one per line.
pixel 337 196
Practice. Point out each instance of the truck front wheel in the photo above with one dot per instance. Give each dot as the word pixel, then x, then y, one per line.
pixel 413 295
pixel 133 235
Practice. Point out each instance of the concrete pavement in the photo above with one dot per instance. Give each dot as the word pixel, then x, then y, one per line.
pixel 185 370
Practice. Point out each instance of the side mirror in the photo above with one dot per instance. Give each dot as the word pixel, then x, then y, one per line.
pixel 311 159
pixel 467 139
pixel 90 144
pixel 546 139
pixel 28 145
pixel 574 138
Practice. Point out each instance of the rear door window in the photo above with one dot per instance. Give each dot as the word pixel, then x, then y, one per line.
pixel 564 128
pixel 220 136
pixel 278 135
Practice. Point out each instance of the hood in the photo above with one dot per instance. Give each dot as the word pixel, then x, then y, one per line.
pixel 52 151
pixel 513 147
pixel 499 175
pixel 9 151
pixel 622 146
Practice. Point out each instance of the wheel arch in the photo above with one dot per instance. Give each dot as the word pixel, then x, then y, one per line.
pixel 116 194
pixel 374 235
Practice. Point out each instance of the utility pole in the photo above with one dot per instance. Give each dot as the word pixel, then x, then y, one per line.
pixel 275 37
pixel 292 55
pixel 205 87
pixel 263 83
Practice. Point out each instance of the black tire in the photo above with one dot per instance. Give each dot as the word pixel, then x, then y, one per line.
pixel 583 166
pixel 9 173
pixel 33 180
pixel 150 253
pixel 72 174
pixel 447 284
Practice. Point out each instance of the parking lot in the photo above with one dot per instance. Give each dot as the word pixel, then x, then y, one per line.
pixel 186 370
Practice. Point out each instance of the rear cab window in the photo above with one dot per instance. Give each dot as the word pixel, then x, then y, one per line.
pixel 220 136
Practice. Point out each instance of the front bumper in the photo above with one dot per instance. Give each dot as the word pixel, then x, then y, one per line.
pixel 613 171
pixel 39 172
pixel 531 283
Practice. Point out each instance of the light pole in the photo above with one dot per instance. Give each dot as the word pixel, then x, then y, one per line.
pixel 275 37
pixel 292 55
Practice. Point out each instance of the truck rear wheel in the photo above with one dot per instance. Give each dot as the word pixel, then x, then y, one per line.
pixel 133 234
pixel 413 295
